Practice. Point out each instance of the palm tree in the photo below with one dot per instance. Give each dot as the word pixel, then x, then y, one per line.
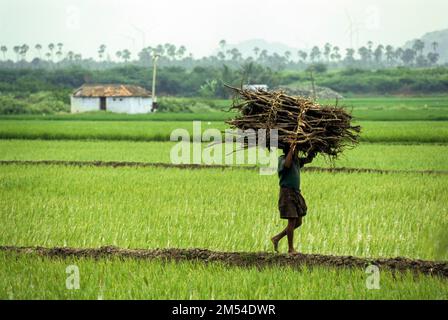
pixel 389 54
pixel 166 47
pixel 349 56
pixel 70 55
pixel 51 48
pixel 398 54
pixel 435 45
pixel 171 50
pixel 222 43
pixel 264 54
pixel 369 50
pixel 126 54
pixel 24 50
pixel 364 54
pixel 256 51
pixel 302 55
pixel 378 54
pixel 246 71
pixel 78 57
pixel 17 52
pixel 236 54
pixel 433 57
pixel 315 53
pixel 101 51
pixel 4 49
pixel 145 55
pixel 327 51
pixel 418 46
pixel 336 55
pixel 118 54
pixel 38 48
pixel 408 56
pixel 181 52
pixel 160 50
pixel 287 55
pixel 59 54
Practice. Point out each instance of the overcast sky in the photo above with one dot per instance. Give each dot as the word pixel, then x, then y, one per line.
pixel 199 25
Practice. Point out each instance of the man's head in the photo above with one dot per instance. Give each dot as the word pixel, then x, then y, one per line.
pixel 286 148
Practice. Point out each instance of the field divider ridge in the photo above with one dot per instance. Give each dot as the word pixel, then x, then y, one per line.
pixel 241 259
pixel 121 164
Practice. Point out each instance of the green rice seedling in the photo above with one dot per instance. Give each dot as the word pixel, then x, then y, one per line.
pixel 363 214
pixel 372 131
pixel 366 155
pixel 34 277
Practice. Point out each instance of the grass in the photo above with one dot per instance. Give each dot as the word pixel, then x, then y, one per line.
pixel 393 102
pixel 34 277
pixel 364 108
pixel 371 215
pixel 405 132
pixel 387 131
pixel 396 108
pixel 401 114
pixel 362 214
pixel 102 116
pixel 116 130
pixel 366 155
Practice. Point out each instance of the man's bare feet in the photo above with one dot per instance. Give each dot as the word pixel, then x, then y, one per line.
pixel 275 243
pixel 293 251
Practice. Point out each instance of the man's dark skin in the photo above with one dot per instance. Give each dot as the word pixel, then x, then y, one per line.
pixel 293 223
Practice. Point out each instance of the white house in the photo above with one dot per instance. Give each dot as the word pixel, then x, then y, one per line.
pixel 111 97
pixel 255 87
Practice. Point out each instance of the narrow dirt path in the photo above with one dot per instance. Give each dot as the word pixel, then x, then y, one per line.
pixel 119 164
pixel 243 259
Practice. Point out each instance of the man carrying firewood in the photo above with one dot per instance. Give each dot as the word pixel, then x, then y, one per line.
pixel 291 203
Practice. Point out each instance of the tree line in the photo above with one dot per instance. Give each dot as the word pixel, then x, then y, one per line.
pixel 40 90
pixel 369 56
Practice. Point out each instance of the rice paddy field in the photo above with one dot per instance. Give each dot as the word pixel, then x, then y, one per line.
pixel 409 132
pixel 399 209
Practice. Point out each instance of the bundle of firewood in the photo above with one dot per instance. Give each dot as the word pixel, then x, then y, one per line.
pixel 311 127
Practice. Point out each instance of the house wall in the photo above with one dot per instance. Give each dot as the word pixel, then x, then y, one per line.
pixel 81 104
pixel 131 105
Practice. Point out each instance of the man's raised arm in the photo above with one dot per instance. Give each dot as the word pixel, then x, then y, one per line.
pixel 309 158
pixel 289 156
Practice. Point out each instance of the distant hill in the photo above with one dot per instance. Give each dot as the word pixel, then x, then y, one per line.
pixel 247 47
pixel 441 37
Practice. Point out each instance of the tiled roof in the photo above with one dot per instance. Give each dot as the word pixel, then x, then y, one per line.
pixel 110 90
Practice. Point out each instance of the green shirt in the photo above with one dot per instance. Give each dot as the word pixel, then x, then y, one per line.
pixel 289 177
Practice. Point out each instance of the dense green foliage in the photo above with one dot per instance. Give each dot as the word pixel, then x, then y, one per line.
pixel 184 82
pixel 42 102
pixel 17 86
pixel 390 108
pixel 401 80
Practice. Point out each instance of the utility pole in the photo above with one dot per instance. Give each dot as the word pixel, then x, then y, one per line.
pixel 155 57
pixel 312 83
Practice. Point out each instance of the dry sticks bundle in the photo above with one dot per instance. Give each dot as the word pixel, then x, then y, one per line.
pixel 300 121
